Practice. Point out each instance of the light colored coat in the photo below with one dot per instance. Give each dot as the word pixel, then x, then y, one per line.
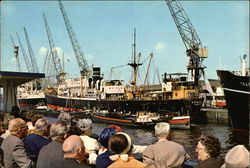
pixel 14 153
pixel 171 153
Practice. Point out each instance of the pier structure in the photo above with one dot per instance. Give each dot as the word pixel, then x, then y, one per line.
pixel 9 81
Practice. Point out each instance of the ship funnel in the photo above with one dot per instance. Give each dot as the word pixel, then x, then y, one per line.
pixel 243 65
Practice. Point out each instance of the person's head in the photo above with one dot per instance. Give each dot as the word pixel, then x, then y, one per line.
pixel 162 130
pixel 84 126
pixel 208 146
pixel 42 126
pixel 18 127
pixel 105 135
pixel 237 157
pixel 15 111
pixel 73 147
pixel 35 117
pixel 58 131
pixel 6 120
pixel 120 143
pixel 64 118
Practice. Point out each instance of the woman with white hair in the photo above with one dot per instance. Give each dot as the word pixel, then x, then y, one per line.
pixel 91 145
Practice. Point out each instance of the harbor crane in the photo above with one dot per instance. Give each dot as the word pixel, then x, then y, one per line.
pixel 16 48
pixel 149 63
pixel 82 62
pixel 194 49
pixel 60 75
pixel 26 58
pixel 32 57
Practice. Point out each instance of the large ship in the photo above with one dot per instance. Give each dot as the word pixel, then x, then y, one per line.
pixel 236 85
pixel 177 97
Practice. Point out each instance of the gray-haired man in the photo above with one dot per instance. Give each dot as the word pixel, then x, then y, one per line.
pixel 167 152
pixel 35 141
pixel 51 155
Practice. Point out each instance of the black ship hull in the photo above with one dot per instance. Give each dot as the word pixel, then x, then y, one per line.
pixel 237 93
pixel 182 106
pixel 31 102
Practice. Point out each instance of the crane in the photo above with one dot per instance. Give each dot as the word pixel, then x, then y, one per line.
pixel 32 57
pixel 191 40
pixel 16 53
pixel 60 75
pixel 112 69
pixel 82 62
pixel 149 63
pixel 26 58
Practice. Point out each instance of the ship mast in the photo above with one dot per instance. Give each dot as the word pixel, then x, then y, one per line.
pixel 134 64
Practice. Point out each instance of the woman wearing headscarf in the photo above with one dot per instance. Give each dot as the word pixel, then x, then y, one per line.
pixel 121 145
pixel 91 145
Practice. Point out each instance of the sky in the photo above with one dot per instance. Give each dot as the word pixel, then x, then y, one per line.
pixel 104 30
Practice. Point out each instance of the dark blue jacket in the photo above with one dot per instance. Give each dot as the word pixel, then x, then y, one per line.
pixel 103 161
pixel 33 143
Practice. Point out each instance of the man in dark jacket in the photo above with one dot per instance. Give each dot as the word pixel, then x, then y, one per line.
pixel 35 141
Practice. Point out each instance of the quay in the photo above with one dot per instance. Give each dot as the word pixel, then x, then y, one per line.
pixel 216 115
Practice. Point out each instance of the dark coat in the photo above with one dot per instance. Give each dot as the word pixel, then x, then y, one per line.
pixel 103 161
pixel 211 163
pixel 51 156
pixel 33 143
pixel 14 153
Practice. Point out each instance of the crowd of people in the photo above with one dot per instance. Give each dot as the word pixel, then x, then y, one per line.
pixel 31 140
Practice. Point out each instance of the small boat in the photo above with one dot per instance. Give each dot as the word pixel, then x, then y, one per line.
pixel 140 120
pixel 181 122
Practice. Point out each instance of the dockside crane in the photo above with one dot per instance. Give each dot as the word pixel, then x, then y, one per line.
pixel 194 49
pixel 32 57
pixel 82 62
pixel 149 63
pixel 16 53
pixel 60 75
pixel 26 58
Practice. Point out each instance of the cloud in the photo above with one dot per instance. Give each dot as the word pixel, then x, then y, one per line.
pixel 88 56
pixel 160 47
pixel 43 51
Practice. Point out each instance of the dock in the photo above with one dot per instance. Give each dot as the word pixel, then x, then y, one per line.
pixel 216 115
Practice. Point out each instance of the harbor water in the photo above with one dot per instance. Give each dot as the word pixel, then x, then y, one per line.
pixel 188 138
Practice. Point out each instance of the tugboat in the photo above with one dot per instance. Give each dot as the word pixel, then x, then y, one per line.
pixel 236 86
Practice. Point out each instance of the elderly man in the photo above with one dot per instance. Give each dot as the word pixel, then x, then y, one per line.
pixel 74 152
pixel 35 141
pixel 164 151
pixel 51 155
pixel 13 147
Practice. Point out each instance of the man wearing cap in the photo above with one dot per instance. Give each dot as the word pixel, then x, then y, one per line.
pixel 238 157
pixel 171 153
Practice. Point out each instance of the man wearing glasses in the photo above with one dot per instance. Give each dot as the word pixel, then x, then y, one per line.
pixel 13 147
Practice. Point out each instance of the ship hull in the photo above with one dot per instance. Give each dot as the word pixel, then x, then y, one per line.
pixel 30 101
pixel 183 106
pixel 237 94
